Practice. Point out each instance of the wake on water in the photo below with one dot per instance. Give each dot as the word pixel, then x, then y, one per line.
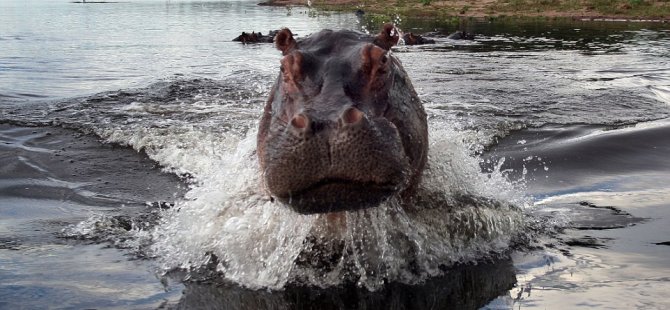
pixel 227 222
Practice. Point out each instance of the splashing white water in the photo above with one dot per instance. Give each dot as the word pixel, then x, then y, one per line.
pixel 264 244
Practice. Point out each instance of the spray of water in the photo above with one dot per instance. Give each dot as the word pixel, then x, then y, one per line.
pixel 460 215
pixel 228 222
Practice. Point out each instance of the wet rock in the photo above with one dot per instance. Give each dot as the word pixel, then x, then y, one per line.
pixel 587 241
pixel 587 216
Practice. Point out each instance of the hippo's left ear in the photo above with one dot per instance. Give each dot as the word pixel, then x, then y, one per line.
pixel 284 41
pixel 388 37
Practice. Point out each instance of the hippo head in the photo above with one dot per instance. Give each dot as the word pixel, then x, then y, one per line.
pixel 343 127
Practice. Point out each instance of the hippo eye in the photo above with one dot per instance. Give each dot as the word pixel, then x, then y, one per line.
pixel 374 62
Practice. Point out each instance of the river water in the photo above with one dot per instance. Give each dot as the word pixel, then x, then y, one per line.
pixel 563 125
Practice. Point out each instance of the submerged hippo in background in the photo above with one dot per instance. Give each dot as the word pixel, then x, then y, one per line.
pixel 343 127
pixel 256 37
pixel 461 35
pixel 415 39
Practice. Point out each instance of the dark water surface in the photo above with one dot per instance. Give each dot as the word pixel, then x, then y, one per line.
pixel 567 120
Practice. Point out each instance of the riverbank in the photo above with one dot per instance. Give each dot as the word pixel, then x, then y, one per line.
pixel 578 9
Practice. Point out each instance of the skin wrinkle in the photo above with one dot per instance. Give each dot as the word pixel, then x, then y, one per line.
pixel 387 107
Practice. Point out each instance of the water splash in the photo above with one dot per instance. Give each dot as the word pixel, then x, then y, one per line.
pixel 460 215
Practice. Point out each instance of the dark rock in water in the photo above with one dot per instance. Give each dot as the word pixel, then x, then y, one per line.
pixel 415 39
pixel 587 241
pixel 359 13
pixel 461 35
pixel 588 216
pixel 663 243
pixel 593 217
pixel 461 287
pixel 256 37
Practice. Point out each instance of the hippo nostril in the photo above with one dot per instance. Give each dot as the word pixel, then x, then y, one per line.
pixel 352 116
pixel 300 121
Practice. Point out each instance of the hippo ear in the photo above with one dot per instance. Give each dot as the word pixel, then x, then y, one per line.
pixel 284 41
pixel 388 37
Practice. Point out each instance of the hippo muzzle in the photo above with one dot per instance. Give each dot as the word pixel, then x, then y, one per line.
pixel 343 127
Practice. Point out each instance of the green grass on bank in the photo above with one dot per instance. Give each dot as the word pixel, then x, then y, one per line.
pixel 623 8
pixel 634 9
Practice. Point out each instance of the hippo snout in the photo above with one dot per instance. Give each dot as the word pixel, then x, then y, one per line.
pixel 305 123
pixel 349 162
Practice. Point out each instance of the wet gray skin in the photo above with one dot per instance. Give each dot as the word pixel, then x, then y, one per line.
pixel 343 127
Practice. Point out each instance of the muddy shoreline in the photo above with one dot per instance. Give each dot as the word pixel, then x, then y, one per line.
pixel 619 11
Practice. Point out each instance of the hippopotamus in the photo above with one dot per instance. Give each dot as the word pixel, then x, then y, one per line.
pixel 461 35
pixel 343 127
pixel 415 39
pixel 256 37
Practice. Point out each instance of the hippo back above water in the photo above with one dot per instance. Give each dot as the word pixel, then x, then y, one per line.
pixel 343 127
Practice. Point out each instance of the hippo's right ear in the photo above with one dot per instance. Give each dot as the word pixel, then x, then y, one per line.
pixel 284 41
pixel 388 37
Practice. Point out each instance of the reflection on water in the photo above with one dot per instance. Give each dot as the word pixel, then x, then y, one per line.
pixel 58 49
pixel 462 287
pixel 620 171
pixel 76 276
